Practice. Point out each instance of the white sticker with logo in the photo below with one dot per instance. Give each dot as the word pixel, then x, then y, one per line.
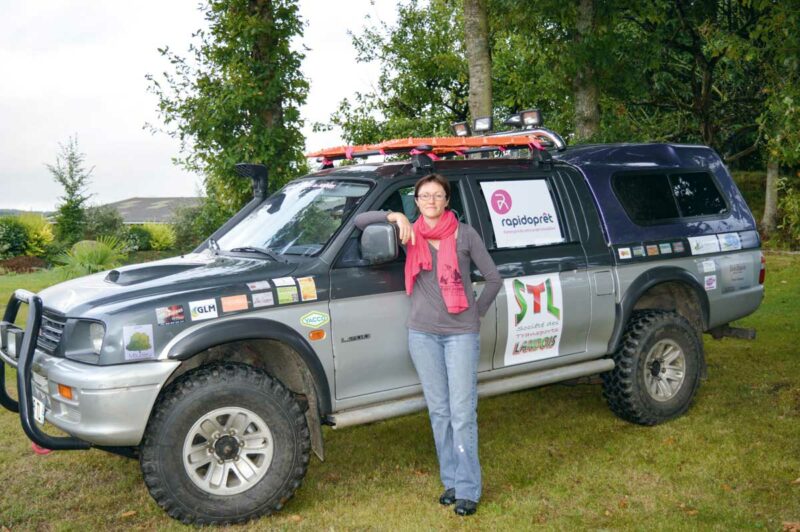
pixel 708 266
pixel 700 245
pixel 203 310
pixel 259 285
pixel 284 281
pixel 314 319
pixel 522 213
pixel 730 242
pixel 711 282
pixel 624 253
pixel 535 318
pixel 137 342
pixel 263 299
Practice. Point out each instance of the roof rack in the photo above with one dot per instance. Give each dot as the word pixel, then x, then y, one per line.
pixel 536 140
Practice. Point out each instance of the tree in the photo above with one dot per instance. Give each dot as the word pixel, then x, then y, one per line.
pixel 779 123
pixel 238 99
pixel 476 40
pixel 139 342
pixel 423 85
pixel 70 173
pixel 587 97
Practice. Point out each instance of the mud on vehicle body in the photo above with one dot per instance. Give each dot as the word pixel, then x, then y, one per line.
pixel 219 368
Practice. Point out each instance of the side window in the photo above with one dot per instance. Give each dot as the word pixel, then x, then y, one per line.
pixel 659 198
pixel 402 200
pixel 523 213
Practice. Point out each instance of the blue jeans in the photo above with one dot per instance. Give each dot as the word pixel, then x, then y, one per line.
pixel 447 365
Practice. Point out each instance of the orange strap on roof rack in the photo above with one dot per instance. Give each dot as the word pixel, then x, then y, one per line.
pixel 435 145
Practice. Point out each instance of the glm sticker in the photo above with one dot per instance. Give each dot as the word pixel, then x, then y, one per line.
pixel 137 342
pixel 314 319
pixel 203 310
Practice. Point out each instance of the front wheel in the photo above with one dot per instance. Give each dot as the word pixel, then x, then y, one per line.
pixel 225 444
pixel 657 368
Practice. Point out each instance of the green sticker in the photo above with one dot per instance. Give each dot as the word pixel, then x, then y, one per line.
pixel 287 294
pixel 314 319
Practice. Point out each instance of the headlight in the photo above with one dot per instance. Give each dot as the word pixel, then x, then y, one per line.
pixel 83 340
pixel 96 334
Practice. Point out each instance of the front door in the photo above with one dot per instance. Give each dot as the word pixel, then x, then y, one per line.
pixel 369 308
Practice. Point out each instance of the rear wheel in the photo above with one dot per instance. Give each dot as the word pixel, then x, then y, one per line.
pixel 657 368
pixel 225 444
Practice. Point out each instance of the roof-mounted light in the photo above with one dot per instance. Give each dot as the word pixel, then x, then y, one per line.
pixel 513 120
pixel 531 118
pixel 482 124
pixel 460 129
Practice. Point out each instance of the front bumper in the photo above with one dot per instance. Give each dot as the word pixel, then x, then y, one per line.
pixel 110 405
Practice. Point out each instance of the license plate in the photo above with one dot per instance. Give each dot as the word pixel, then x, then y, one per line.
pixel 38 411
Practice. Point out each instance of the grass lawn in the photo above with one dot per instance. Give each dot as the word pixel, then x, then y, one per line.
pixel 553 457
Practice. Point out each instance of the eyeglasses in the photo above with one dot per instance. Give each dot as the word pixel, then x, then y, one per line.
pixel 427 197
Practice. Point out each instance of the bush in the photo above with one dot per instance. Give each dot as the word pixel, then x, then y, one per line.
pixel 195 224
pixel 789 215
pixel 103 221
pixel 23 264
pixel 138 238
pixel 92 256
pixel 162 236
pixel 13 237
pixel 40 233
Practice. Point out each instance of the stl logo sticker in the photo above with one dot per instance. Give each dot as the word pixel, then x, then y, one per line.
pixel 314 319
pixel 203 310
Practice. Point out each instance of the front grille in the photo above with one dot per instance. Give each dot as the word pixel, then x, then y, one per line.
pixel 50 332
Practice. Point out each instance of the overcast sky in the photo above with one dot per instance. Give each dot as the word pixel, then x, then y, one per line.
pixel 77 67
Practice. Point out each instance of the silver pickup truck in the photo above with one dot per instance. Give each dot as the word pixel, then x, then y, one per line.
pixel 217 369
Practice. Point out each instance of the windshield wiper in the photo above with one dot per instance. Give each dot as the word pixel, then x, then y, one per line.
pixel 253 249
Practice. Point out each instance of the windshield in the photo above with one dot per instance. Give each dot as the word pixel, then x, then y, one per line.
pixel 299 219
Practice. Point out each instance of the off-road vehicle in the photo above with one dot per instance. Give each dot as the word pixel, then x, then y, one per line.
pixel 217 369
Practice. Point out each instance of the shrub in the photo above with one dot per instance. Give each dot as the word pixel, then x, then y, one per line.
pixel 195 224
pixel 103 221
pixel 92 256
pixel 23 264
pixel 13 237
pixel 162 236
pixel 40 233
pixel 789 215
pixel 138 238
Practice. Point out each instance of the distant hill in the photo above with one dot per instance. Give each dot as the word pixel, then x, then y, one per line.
pixel 14 212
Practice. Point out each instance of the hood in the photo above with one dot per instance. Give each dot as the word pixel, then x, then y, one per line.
pixel 190 273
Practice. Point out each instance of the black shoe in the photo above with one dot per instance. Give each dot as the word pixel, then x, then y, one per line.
pixel 465 507
pixel 448 497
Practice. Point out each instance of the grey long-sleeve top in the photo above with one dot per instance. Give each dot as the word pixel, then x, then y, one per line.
pixel 428 310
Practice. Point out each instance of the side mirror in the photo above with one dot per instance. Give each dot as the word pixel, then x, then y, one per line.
pixel 379 243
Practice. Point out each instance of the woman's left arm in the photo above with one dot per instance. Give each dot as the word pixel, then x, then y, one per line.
pixel 480 256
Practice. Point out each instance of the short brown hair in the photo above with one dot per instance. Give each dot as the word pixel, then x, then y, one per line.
pixel 439 179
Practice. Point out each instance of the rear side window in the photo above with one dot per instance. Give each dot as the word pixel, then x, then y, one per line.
pixel 658 198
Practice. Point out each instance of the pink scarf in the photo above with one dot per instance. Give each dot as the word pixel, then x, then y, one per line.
pixel 419 258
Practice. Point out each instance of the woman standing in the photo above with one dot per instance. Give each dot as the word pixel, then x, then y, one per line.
pixel 443 328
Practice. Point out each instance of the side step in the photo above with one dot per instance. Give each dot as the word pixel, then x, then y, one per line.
pixel 718 333
pixel 410 405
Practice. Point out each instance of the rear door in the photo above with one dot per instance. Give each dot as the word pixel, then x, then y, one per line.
pixel 544 307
